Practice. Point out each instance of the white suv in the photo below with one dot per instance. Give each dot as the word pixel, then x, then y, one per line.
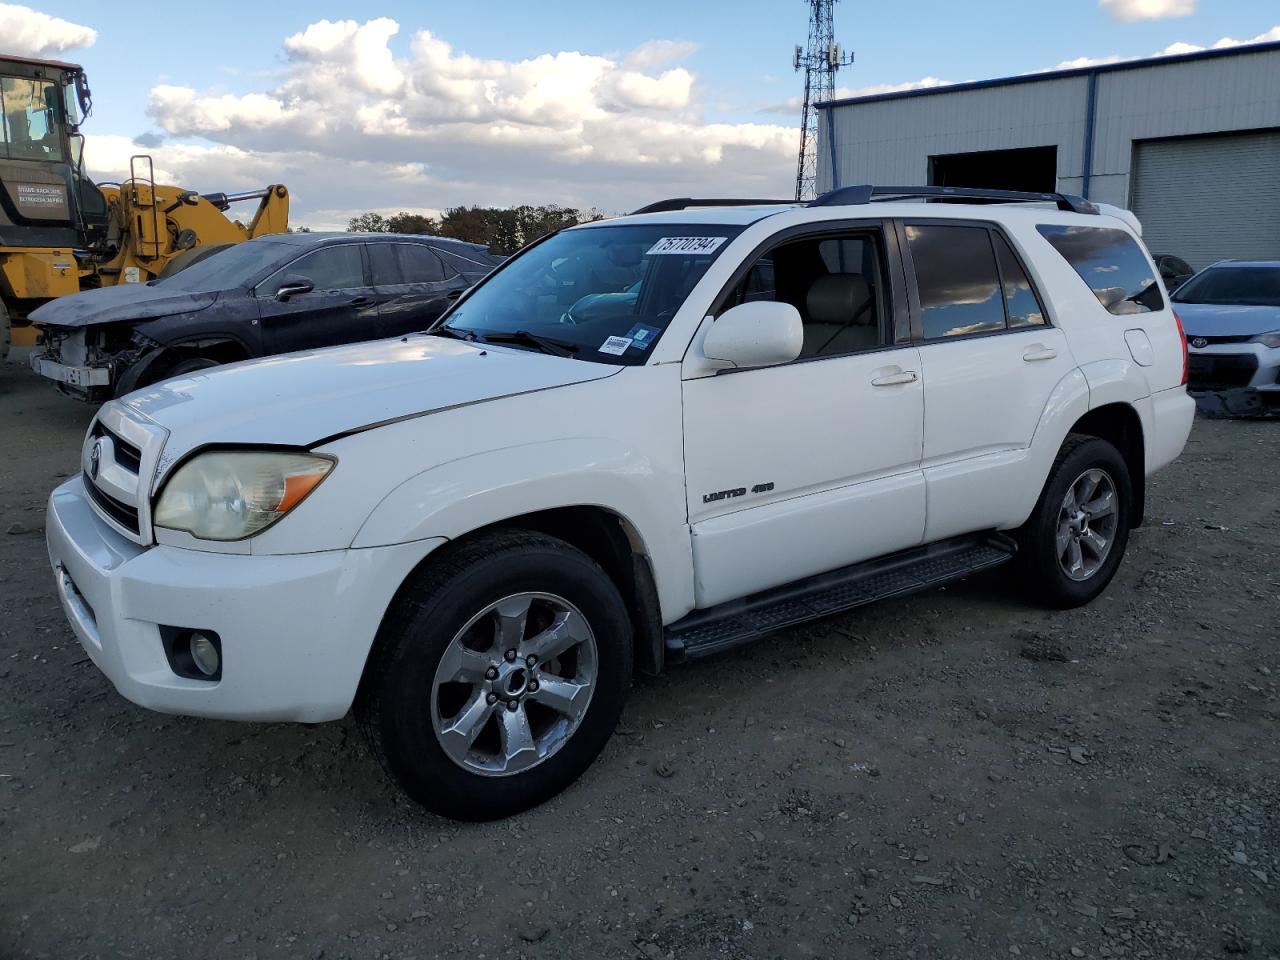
pixel 640 440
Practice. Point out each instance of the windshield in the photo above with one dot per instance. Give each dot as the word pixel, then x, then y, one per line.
pixel 236 266
pixel 600 293
pixel 1236 286
pixel 30 128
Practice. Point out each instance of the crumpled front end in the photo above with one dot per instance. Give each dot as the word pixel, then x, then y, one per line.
pixel 87 362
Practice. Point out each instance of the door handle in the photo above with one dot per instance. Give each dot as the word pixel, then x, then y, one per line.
pixel 893 379
pixel 1038 352
pixel 361 302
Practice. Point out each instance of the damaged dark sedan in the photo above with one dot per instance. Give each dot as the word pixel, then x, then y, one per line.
pixel 265 296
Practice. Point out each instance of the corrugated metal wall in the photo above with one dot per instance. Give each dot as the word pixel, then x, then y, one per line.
pixel 1210 198
pixel 891 140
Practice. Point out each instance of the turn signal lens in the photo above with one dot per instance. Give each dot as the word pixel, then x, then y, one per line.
pixel 234 494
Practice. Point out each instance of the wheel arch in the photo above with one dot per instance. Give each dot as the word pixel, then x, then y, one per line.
pixel 609 539
pixel 154 363
pixel 1120 425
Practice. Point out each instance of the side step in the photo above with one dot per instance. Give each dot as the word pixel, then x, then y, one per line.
pixel 735 622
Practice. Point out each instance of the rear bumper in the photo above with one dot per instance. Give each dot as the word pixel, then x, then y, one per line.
pixel 1167 417
pixel 295 630
pixel 69 375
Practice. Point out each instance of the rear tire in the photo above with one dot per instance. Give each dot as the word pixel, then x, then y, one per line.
pixel 475 735
pixel 1073 543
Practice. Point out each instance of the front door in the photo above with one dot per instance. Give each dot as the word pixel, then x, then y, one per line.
pixel 798 469
pixel 340 309
pixel 991 359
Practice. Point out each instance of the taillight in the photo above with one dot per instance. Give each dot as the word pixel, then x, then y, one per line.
pixel 1182 335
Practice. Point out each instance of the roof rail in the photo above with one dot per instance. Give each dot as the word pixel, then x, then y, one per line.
pixel 684 203
pixel 865 193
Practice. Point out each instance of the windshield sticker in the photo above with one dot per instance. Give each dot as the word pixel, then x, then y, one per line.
pixel 685 245
pixel 616 346
pixel 642 336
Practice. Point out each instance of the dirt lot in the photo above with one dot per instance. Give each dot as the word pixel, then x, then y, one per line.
pixel 953 775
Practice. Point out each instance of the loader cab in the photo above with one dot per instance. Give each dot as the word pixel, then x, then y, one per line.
pixel 45 198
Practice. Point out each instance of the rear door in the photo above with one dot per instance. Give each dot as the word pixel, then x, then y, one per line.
pixel 340 309
pixel 990 359
pixel 413 286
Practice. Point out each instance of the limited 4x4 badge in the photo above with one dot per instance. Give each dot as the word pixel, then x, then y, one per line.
pixel 735 492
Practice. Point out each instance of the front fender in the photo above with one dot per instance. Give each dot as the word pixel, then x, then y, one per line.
pixel 455 498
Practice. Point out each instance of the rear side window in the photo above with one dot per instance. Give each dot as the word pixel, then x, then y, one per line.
pixel 1019 298
pixel 1111 263
pixel 957 280
pixel 395 263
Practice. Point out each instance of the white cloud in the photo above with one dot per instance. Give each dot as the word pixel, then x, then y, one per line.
pixel 565 127
pixel 1128 11
pixel 1171 50
pixel 29 33
pixel 657 53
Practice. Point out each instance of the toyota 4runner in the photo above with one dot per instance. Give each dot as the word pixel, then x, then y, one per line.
pixel 638 441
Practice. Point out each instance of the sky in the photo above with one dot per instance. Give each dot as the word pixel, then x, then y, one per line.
pixel 392 105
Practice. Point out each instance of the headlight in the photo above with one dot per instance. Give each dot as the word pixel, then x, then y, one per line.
pixel 1271 339
pixel 233 494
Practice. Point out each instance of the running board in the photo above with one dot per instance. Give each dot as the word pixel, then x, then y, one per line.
pixel 705 632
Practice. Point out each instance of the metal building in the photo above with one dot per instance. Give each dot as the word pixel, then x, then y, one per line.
pixel 1191 143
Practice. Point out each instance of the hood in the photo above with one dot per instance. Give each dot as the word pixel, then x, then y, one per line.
pixel 298 399
pixel 125 302
pixel 1226 320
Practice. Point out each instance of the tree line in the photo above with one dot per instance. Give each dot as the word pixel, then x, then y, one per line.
pixel 503 229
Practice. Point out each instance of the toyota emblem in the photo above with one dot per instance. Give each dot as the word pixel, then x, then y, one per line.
pixel 95 459
pixel 1199 342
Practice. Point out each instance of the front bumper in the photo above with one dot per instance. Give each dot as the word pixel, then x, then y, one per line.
pixel 70 375
pixel 1243 377
pixel 296 630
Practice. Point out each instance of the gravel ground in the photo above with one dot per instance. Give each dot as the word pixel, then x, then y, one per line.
pixel 956 774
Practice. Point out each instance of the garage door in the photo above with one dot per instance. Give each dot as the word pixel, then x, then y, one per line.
pixel 1209 198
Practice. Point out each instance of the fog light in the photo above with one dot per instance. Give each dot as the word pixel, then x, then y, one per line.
pixel 204 654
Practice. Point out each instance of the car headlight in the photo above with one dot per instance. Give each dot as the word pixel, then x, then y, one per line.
pixel 1271 339
pixel 233 494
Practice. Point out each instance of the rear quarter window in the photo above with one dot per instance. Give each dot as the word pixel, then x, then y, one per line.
pixel 1112 263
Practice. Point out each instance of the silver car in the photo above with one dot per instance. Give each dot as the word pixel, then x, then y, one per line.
pixel 1231 314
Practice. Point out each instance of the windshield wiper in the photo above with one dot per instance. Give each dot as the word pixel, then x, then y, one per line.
pixel 447 331
pixel 557 348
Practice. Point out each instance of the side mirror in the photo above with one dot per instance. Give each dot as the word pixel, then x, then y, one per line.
pixel 292 285
pixel 758 334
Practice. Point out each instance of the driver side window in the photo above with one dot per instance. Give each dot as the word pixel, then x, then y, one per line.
pixel 329 268
pixel 834 281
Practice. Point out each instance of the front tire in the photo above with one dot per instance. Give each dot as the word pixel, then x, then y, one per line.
pixel 1073 543
pixel 498 675
pixel 191 365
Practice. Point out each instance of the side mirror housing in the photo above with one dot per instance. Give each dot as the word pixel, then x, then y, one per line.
pixel 759 334
pixel 292 285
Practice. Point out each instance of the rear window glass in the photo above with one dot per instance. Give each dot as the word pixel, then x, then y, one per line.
pixel 1111 263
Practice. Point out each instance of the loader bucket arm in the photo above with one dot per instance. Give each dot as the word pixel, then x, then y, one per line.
pixel 273 212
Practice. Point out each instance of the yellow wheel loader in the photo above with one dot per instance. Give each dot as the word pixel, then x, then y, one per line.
pixel 61 233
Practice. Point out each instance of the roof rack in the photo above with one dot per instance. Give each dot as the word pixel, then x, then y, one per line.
pixel 684 203
pixel 865 193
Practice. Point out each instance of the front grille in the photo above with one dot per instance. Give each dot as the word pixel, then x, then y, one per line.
pixel 121 513
pixel 127 455
pixel 1214 372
